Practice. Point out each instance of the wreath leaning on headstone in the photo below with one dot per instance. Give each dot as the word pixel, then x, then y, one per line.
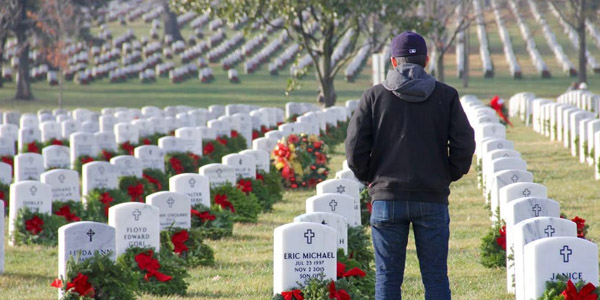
pixel 98 201
pixel 211 224
pixel 563 289
pixel 188 245
pixel 97 277
pixel 245 207
pixel 301 160
pixel 493 247
pixel 320 288
pixel 32 227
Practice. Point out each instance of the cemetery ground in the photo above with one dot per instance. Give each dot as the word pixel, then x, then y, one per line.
pixel 243 268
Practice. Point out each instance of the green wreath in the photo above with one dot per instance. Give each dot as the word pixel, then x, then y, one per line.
pixel 158 180
pixel 365 207
pixel 80 161
pixel 493 253
pixel 359 246
pixel 99 200
pixel 33 147
pixel 188 245
pixel 70 210
pixel 211 224
pixel 319 288
pixel 245 207
pixel 168 266
pixel 58 142
pixel 37 228
pixel 130 185
pixel 5 196
pixel 554 289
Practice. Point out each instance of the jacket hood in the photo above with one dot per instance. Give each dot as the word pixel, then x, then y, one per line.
pixel 409 82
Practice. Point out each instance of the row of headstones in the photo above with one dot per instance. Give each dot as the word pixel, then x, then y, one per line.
pixel 534 54
pixel 566 121
pixel 539 244
pixel 484 50
pixel 307 248
pixel 509 53
pixel 559 53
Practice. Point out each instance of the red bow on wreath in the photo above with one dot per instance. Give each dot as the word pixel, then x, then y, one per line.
pixel 259 176
pixel 223 202
pixel 86 159
pixel 501 240
pixel 586 292
pixel 179 240
pixel 107 155
pixel 208 148
pixel 282 151
pixel 128 147
pixel 32 147
pixel 176 165
pixel 34 225
pixel 222 141
pixel 341 271
pixel 65 212
pixel 292 295
pixel 151 265
pixel 245 186
pixel 57 142
pixel 106 199
pixel 338 295
pixel 204 216
pixel 136 192
pixel 234 134
pixel 153 181
pixel 580 226
pixel 80 284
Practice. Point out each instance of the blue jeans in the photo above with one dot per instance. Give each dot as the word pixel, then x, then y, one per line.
pixel 390 221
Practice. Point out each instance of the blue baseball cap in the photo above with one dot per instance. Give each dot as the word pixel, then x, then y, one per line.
pixel 408 44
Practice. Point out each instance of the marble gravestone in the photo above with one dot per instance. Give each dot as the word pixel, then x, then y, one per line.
pixel 265 144
pixel 98 175
pixel 531 230
pixel 343 187
pixel 333 203
pixel 82 240
pixel 82 143
pixel 244 165
pixel 501 164
pixel 5 173
pixel 64 183
pixel 171 144
pixel 7 146
pixel 126 132
pixel 274 134
pixel 518 190
pixel 335 221
pixel 302 251
pixel 501 179
pixel 261 158
pixel 56 156
pixel 222 128
pixel 106 141
pixel 546 258
pixel 196 186
pixel 127 165
pixel 174 209
pixel 28 166
pixel 192 139
pixel 31 194
pixel 28 135
pixel 518 210
pixel 151 157
pixel 136 225
pixel 50 130
pixel 218 174
pixel 207 133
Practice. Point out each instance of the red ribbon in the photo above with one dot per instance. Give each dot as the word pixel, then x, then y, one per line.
pixel 501 240
pixel 8 160
pixel 65 212
pixel 245 186
pixel 255 134
pixel 320 158
pixel 341 271
pixel 32 147
pixel 81 286
pixel 222 141
pixel 282 151
pixel 57 283
pixel 264 129
pixel 338 295
pixel 86 159
pixel 225 204
pixel 136 192
pixel 292 295
pixel 204 216
pixel 176 165
pixel 154 181
pixel 146 141
pixel 208 148
pixel 234 134
pixel 107 155
pixel 106 199
pixel 292 139
pixel 151 265
pixel 128 147
pixel 317 144
pixel 498 108
pixel 57 142
pixel 586 292
pixel 259 177
pixel 580 226
pixel 34 225
pixel 179 240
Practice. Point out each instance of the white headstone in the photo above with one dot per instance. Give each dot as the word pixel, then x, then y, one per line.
pixel 126 132
pixel 343 187
pixel 171 144
pixel 64 183
pixel 265 144
pixel 82 240
pixel 151 157
pixel 2 234
pixel 196 186
pixel 28 135
pixel 501 179
pixel 50 130
pixel 302 251
pixel 82 143
pixel 244 165
pixel 192 139
pixel 127 165
pixel 98 175
pixel 106 141
pixel 174 209
pixel 7 145
pixel 518 190
pixel 32 194
pixel 136 225
pixel 333 203
pixel 28 166
pixel 262 159
pixel 55 156
pixel 335 221
pixel 107 123
pixel 218 174
pixel 5 174
pixel 545 258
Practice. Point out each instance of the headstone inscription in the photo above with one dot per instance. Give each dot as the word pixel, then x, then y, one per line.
pixel 302 251
pixel 333 203
pixel 196 186
pixel 28 166
pixel 56 156
pixel 127 165
pixel 218 174
pixel 335 221
pixel 31 194
pixel 64 183
pixel 136 225
pixel 98 175
pixel 174 209
pixel 151 157
pixel 244 165
pixel 343 187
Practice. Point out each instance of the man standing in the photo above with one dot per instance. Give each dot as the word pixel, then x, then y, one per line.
pixel 408 140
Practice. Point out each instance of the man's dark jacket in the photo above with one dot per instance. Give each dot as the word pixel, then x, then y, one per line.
pixel 409 137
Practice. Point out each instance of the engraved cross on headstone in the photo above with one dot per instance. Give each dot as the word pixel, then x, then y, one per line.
pixel 192 182
pixel 61 178
pixel 526 192
pixel 549 231
pixel 566 252
pixel 136 214
pixel 33 190
pixel 170 201
pixel 101 170
pixel 90 233
pixel 309 235
pixel 219 172
pixel 500 146
pixel 341 189
pixel 514 178
pixel 333 204
pixel 536 209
